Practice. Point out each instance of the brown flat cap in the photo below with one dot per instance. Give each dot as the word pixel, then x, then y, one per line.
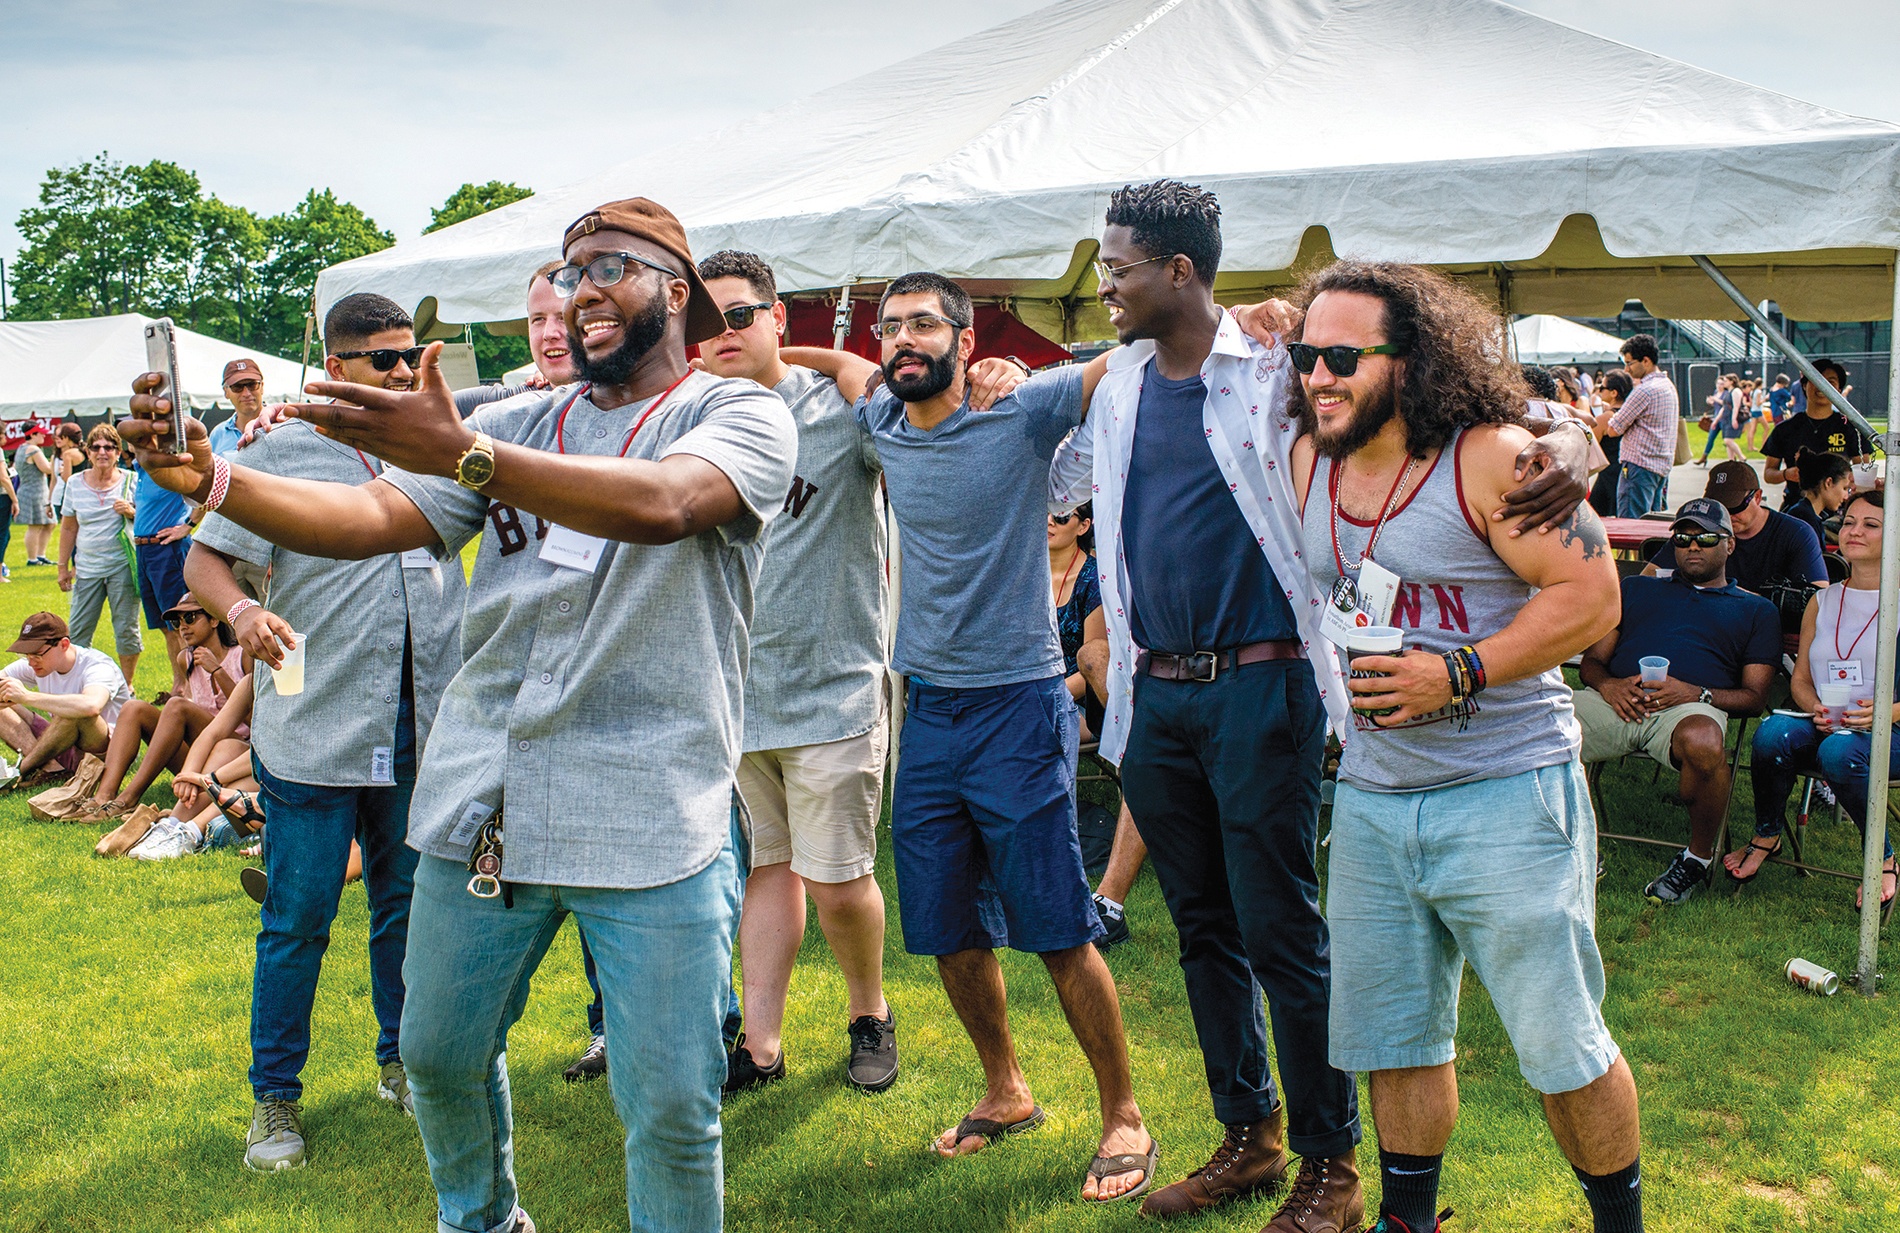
pixel 656 224
pixel 242 368
pixel 1731 482
pixel 38 632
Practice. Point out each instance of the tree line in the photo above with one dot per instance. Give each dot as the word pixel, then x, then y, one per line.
pixel 110 237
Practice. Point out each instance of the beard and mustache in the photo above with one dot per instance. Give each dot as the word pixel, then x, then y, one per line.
pixel 639 335
pixel 939 372
pixel 1367 416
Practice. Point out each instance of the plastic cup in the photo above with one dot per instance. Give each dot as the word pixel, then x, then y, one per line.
pixel 289 678
pixel 1654 669
pixel 1835 698
pixel 1373 640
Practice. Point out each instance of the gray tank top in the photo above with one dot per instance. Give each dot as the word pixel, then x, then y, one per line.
pixel 1453 592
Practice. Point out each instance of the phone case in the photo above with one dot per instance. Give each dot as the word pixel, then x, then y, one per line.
pixel 161 356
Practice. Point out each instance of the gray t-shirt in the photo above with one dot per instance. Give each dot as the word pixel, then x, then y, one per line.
pixel 817 671
pixel 602 712
pixel 32 479
pixel 971 499
pixel 98 551
pixel 341 730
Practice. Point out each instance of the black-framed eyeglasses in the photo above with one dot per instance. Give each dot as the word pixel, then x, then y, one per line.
pixel 185 618
pixel 1107 273
pixel 383 359
pixel 741 317
pixel 1341 361
pixel 1701 539
pixel 604 271
pixel 923 327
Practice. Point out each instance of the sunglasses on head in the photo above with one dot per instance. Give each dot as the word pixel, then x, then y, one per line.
pixel 741 317
pixel 1701 539
pixel 383 359
pixel 1341 361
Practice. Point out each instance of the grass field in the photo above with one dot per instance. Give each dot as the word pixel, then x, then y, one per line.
pixel 123 1100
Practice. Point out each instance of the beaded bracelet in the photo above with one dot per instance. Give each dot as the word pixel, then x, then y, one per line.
pixel 238 609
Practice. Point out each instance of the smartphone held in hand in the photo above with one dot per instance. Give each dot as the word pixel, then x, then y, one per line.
pixel 161 357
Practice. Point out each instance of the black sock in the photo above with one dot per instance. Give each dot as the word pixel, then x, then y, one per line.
pixel 1408 1189
pixel 1616 1199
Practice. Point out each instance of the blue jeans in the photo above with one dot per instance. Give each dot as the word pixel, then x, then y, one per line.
pixel 306 851
pixel 1787 747
pixel 1639 491
pixel 664 956
pixel 597 1009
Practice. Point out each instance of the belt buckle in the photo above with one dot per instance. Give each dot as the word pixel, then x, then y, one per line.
pixel 1193 664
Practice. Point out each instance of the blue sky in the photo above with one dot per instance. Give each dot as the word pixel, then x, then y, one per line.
pixel 395 105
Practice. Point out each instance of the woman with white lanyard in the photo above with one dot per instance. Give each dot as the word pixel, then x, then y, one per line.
pixel 1838 642
pixel 95 548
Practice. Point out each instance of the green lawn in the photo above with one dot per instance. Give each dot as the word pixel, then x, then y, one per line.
pixel 123 1100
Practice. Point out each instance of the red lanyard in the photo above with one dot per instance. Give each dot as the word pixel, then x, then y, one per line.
pixel 560 425
pixel 1075 565
pixel 364 458
pixel 1333 479
pixel 1838 610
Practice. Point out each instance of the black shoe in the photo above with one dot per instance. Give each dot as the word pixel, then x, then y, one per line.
pixel 589 1065
pixel 872 1066
pixel 743 1072
pixel 1679 882
pixel 255 882
pixel 1115 920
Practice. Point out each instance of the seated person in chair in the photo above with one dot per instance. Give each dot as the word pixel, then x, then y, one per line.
pixel 1722 644
pixel 1769 546
pixel 1827 480
pixel 1838 638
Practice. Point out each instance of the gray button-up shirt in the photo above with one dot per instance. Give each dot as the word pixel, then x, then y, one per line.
pixel 355 615
pixel 602 711
pixel 817 669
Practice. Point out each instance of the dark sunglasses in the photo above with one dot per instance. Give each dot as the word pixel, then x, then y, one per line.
pixel 102 447
pixel 1341 361
pixel 741 317
pixel 1063 520
pixel 247 386
pixel 605 270
pixel 1701 539
pixel 383 359
pixel 185 618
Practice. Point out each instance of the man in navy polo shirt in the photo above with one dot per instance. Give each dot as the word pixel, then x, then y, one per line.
pixel 161 536
pixel 1721 643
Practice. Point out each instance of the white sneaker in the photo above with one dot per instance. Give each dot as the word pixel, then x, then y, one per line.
pixel 168 838
pixel 8 772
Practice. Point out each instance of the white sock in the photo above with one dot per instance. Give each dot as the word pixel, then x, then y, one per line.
pixel 1111 905
pixel 1700 860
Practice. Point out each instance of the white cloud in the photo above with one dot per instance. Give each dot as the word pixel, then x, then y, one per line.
pixel 394 106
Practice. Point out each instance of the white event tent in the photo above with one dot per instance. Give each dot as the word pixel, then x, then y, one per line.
pixel 1425 131
pixel 85 367
pixel 1544 339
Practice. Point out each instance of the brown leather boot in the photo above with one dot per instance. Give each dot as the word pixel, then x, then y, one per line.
pixel 1325 1198
pixel 1250 1159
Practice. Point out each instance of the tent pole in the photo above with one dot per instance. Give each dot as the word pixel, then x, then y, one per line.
pixel 1787 348
pixel 1881 734
pixel 841 319
pixel 1866 967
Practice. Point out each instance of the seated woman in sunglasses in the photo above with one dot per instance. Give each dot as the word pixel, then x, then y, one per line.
pixel 213 665
pixel 1839 635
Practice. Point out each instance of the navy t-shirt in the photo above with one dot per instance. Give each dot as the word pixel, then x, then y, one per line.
pixel 1197 579
pixel 1785 549
pixel 1706 633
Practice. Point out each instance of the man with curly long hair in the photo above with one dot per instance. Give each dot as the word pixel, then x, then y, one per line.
pixel 1462 831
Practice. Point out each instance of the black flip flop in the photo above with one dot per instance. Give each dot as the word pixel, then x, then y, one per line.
pixel 1756 844
pixel 1107 1166
pixel 991 1130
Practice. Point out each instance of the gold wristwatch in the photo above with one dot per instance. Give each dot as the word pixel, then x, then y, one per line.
pixel 476 466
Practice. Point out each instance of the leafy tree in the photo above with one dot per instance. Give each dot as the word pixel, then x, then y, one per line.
pixel 108 238
pixel 471 200
pixel 319 232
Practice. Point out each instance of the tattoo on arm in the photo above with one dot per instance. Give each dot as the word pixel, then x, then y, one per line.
pixel 1584 526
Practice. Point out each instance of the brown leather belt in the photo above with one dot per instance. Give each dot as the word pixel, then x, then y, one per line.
pixel 143 541
pixel 1206 665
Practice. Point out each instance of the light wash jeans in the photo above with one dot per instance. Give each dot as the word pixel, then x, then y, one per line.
pixel 664 956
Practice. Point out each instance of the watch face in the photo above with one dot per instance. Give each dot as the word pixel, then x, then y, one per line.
pixel 477 469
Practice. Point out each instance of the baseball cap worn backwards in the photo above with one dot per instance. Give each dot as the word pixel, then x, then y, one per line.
pixel 1705 512
pixel 657 225
pixel 38 632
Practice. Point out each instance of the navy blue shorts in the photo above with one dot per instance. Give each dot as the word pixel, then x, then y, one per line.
pixel 983 821
pixel 161 578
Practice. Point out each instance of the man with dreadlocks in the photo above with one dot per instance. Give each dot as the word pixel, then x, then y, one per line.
pixel 1462 830
pixel 1218 695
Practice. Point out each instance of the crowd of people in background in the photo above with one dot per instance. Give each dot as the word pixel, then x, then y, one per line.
pixel 662 702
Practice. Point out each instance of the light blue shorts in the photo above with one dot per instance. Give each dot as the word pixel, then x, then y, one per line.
pixel 1500 873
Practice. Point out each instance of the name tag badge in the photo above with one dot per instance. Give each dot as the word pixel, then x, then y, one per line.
pixel 571 549
pixel 1844 671
pixel 418 558
pixel 382 765
pixel 471 822
pixel 1357 605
